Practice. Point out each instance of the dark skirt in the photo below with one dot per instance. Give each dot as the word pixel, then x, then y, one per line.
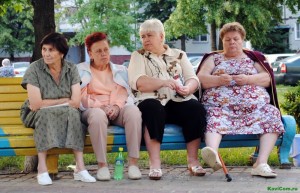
pixel 190 115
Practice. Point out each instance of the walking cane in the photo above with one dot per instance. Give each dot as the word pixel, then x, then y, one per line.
pixel 225 169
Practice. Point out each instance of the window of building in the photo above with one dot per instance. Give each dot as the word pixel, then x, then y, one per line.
pixel 297 31
pixel 201 38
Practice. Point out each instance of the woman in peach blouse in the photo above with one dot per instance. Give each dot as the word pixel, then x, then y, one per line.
pixel 106 99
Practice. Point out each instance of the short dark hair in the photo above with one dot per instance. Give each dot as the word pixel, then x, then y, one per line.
pixel 58 41
pixel 93 38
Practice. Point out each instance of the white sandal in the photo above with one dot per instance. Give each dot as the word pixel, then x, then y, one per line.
pixel 211 157
pixel 196 170
pixel 155 174
pixel 263 170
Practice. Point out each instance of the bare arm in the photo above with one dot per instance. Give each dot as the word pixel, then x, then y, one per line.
pixel 207 79
pixel 36 101
pixel 75 98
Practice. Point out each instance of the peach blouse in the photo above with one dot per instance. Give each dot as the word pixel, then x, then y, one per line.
pixel 102 90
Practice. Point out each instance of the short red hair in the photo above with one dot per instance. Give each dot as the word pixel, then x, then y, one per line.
pixel 93 38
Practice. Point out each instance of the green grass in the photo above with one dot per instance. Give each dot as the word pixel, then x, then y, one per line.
pixel 231 156
pixel 281 89
pixel 12 164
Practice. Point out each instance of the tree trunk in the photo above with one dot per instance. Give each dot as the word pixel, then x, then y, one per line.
pixel 30 164
pixel 43 23
pixel 82 51
pixel 220 47
pixel 213 36
pixel 220 44
pixel 182 39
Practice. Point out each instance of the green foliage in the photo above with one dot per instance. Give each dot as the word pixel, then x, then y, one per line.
pixel 16 29
pixel 191 16
pixel 291 104
pixel 187 19
pixel 113 17
pixel 16 5
pixel 276 42
pixel 159 9
pixel 294 5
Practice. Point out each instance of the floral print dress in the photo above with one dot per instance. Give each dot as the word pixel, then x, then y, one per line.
pixel 238 109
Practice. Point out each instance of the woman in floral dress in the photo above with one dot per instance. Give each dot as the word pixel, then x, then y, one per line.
pixel 236 84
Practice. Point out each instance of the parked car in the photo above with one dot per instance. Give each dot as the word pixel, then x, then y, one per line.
pixel 287 71
pixel 196 62
pixel 276 57
pixel 20 68
pixel 193 58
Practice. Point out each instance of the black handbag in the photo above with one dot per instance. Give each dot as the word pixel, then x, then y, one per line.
pixel 27 116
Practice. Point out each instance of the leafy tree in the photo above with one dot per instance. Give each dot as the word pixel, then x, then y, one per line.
pixel 15 4
pixel 255 15
pixel 291 104
pixel 16 29
pixel 42 21
pixel 159 9
pixel 276 42
pixel 186 21
pixel 113 17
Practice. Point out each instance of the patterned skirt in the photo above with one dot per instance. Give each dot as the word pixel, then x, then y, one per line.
pixel 58 127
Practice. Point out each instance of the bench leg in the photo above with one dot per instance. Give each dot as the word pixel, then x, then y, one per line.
pixel 287 140
pixel 52 164
pixel 253 156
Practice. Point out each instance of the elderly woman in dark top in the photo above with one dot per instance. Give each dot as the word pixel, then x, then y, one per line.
pixel 54 97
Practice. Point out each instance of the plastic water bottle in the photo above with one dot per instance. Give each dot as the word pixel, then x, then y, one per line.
pixel 119 165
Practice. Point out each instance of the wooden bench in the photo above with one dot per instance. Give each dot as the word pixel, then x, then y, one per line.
pixel 16 140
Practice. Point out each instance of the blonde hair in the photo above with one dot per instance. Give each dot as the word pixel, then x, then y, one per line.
pixel 153 25
pixel 233 27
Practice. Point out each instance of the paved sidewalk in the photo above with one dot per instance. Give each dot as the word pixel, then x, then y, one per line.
pixel 176 179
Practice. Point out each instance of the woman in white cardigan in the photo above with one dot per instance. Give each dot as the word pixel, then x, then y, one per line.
pixel 106 99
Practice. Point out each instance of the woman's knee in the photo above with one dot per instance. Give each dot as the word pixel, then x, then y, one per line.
pixel 132 112
pixel 152 109
pixel 96 115
pixel 150 105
